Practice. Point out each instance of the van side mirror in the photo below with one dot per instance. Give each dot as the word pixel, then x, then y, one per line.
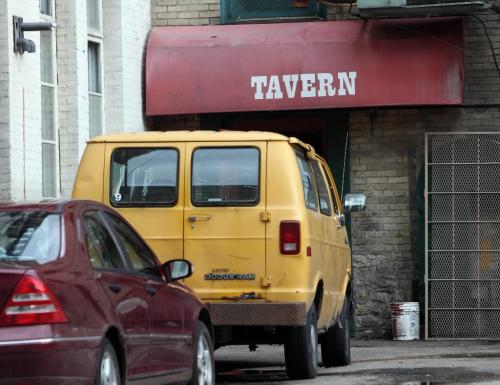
pixel 178 269
pixel 354 202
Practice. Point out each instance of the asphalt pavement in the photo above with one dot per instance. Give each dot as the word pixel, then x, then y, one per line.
pixel 377 362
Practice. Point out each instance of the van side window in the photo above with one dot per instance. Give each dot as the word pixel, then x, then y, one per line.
pixel 144 177
pixel 310 194
pixel 225 176
pixel 325 206
pixel 335 195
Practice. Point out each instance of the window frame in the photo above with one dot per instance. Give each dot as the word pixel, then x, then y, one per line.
pixel 300 152
pixel 130 267
pixel 98 41
pixel 326 185
pixel 144 204
pixel 103 222
pixel 53 85
pixel 91 31
pixel 254 203
pixel 338 208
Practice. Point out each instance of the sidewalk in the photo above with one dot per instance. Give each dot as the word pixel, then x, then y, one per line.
pixel 377 350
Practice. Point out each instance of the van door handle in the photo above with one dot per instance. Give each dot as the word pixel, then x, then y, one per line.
pixel 198 218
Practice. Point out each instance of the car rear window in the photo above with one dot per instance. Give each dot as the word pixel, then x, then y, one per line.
pixel 144 177
pixel 225 176
pixel 30 236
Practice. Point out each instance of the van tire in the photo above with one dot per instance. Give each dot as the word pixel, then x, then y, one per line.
pixel 336 342
pixel 301 349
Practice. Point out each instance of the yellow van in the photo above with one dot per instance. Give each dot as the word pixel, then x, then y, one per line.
pixel 259 216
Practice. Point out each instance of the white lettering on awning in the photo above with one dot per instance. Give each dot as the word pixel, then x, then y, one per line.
pixel 311 85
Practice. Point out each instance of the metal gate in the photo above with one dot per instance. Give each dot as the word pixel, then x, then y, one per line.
pixel 462 236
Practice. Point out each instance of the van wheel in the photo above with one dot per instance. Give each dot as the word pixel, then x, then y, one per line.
pixel 203 359
pixel 301 349
pixel 336 342
pixel 108 369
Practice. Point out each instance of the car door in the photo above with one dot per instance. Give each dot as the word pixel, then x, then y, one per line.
pixel 126 293
pixel 170 353
pixel 224 225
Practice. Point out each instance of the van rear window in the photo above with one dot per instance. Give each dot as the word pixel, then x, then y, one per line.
pixel 144 177
pixel 225 176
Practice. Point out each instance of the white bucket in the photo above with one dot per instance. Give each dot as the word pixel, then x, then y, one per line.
pixel 405 321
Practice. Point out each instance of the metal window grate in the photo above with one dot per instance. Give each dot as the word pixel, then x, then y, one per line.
pixel 462 236
pixel 238 11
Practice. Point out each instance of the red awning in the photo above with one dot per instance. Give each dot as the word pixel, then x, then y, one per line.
pixel 286 66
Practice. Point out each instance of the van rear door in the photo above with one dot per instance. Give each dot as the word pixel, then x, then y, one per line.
pixel 224 219
pixel 145 183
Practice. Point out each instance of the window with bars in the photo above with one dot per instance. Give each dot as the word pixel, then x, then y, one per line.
pixel 240 11
pixel 49 134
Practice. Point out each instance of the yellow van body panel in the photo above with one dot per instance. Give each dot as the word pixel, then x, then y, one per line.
pixel 238 241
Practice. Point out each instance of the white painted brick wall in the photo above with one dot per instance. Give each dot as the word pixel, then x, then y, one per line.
pixel 71 18
pixel 4 106
pixel 126 28
pixel 24 107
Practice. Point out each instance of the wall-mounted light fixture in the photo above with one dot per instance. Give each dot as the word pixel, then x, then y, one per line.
pixel 21 44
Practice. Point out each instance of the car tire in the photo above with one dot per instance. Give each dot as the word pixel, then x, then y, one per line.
pixel 336 342
pixel 301 349
pixel 203 358
pixel 108 368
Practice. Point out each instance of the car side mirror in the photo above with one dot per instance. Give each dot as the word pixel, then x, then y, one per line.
pixel 178 269
pixel 354 202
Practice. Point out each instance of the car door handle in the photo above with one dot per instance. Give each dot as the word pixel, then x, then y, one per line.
pixel 114 287
pixel 151 290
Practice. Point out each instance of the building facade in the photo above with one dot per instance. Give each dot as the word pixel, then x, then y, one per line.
pixel 85 78
pixel 406 245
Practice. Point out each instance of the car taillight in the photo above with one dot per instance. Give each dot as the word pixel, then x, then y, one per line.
pixel 289 237
pixel 32 303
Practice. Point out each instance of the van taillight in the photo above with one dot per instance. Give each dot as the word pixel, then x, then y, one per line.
pixel 32 303
pixel 289 237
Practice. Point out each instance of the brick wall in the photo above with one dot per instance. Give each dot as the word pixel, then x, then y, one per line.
pixel 185 12
pixel 387 155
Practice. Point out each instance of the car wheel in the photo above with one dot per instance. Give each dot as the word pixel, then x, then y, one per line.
pixel 108 369
pixel 336 342
pixel 301 348
pixel 203 360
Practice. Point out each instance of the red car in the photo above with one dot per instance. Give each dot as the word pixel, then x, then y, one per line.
pixel 83 300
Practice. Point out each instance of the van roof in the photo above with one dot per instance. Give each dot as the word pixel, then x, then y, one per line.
pixel 189 136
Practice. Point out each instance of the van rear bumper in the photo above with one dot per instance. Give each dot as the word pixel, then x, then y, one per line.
pixel 257 314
